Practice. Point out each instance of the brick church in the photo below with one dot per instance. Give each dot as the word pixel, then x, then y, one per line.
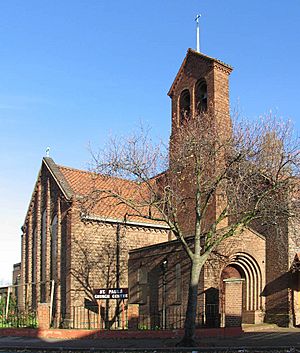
pixel 67 253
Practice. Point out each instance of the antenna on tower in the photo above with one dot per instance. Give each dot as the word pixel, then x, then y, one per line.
pixel 197 33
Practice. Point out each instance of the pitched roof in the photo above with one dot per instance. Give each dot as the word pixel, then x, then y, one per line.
pixel 97 194
pixel 83 182
pixel 96 191
pixel 59 177
pixel 200 56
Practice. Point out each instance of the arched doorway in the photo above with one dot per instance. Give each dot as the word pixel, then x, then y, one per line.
pixel 243 266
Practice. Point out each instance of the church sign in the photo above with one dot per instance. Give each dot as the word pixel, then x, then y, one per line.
pixel 111 293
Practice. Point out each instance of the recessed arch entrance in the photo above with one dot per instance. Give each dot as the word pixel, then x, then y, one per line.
pixel 243 266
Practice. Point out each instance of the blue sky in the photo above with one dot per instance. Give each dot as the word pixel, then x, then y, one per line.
pixel 75 71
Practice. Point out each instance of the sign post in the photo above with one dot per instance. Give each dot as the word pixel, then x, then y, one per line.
pixel 99 314
pixel 123 315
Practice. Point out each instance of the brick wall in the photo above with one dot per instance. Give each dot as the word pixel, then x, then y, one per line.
pixel 93 256
pixel 233 302
pixel 276 290
pixel 196 68
pixel 85 251
pixel 210 290
pixel 43 315
pixel 36 288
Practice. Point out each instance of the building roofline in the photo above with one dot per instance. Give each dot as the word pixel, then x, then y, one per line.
pixel 210 59
pixel 58 177
pixel 188 238
pixel 125 222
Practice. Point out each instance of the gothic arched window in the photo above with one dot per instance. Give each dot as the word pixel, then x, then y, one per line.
pixel 53 246
pixel 43 257
pixel 43 246
pixel 34 254
pixel 184 105
pixel 201 96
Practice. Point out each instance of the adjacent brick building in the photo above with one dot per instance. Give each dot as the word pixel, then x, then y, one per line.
pixel 74 251
pixel 245 260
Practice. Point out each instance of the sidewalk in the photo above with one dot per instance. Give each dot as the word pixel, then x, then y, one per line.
pixel 255 338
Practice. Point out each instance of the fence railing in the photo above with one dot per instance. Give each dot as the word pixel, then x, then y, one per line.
pixel 93 318
pixel 172 318
pixel 16 318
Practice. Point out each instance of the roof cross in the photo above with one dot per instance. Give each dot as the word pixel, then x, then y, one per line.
pixel 197 33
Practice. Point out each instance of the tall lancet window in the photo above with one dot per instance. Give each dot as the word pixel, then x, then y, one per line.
pixel 201 96
pixel 34 240
pixel 184 105
pixel 178 284
pixel 53 246
pixel 43 256
pixel 33 278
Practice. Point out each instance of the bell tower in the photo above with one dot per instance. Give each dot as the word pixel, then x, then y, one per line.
pixel 200 91
pixel 201 84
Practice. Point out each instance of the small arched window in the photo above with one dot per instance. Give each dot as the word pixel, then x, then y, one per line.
pixel 201 96
pixel 184 105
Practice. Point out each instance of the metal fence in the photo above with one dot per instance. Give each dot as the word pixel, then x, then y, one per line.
pixel 174 317
pixel 16 318
pixel 93 317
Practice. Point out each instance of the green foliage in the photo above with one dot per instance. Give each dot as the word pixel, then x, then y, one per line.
pixel 144 327
pixel 15 317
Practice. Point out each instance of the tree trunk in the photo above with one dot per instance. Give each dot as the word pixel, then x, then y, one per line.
pixel 191 310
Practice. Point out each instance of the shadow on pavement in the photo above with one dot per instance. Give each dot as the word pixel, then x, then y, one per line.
pixel 260 340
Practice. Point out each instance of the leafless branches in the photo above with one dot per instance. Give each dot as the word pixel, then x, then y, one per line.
pixel 215 184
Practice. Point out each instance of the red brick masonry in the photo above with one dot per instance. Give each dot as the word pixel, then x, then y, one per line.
pixel 96 334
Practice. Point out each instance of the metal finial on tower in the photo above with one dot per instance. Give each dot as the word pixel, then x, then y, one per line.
pixel 47 151
pixel 197 33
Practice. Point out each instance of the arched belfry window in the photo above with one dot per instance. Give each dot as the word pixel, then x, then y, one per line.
pixel 184 105
pixel 201 96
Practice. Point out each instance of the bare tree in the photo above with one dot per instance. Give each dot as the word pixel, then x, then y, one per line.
pixel 217 182
pixel 100 264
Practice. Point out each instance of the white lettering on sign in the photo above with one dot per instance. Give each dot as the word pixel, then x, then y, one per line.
pixel 115 291
pixel 111 293
pixel 102 296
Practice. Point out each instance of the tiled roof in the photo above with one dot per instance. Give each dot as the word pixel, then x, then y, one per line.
pixel 96 191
